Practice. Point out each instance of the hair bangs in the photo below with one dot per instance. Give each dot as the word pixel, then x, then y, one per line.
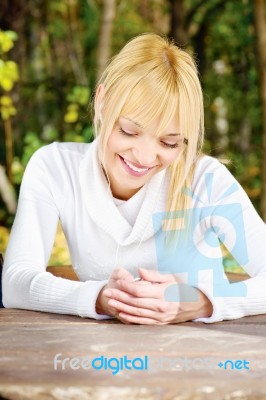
pixel 149 101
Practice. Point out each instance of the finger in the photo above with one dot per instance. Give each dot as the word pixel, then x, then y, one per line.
pixel 120 318
pixel 136 311
pixel 132 319
pixel 142 282
pixel 157 305
pixel 115 313
pixel 118 294
pixel 154 291
pixel 155 276
pixel 122 273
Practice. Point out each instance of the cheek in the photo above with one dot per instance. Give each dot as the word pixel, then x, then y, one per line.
pixel 170 157
pixel 112 145
pixel 115 144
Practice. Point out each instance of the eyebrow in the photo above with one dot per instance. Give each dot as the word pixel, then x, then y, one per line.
pixel 140 126
pixel 172 134
pixel 134 122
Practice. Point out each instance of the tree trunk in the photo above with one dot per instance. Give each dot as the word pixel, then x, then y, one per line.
pixel 74 47
pixel 108 15
pixel 7 192
pixel 260 25
pixel 9 148
pixel 178 32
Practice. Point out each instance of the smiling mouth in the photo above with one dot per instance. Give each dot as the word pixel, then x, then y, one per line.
pixel 133 169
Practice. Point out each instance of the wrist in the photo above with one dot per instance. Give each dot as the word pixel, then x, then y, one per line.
pixel 99 305
pixel 191 310
pixel 205 309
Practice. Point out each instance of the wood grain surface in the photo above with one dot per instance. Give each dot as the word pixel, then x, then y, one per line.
pixel 30 340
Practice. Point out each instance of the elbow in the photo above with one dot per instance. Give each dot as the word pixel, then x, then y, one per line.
pixel 15 286
pixel 8 290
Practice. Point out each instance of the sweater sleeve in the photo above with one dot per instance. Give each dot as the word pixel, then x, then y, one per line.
pixel 244 234
pixel 26 284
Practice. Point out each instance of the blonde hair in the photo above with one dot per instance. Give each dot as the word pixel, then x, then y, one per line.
pixel 149 78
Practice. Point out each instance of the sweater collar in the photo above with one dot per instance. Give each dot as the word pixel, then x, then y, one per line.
pixel 100 204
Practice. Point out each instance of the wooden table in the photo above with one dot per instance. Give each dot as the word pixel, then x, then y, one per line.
pixel 30 340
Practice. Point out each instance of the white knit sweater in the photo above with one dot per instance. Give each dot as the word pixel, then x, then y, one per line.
pixel 65 181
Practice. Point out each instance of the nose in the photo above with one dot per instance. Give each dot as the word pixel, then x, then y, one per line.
pixel 145 153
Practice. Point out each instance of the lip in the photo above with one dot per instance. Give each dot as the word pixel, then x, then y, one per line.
pixel 130 171
pixel 135 164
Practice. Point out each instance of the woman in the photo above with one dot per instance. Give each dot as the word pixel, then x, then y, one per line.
pixel 140 201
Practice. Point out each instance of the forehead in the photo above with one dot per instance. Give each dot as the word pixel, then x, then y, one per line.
pixel 171 126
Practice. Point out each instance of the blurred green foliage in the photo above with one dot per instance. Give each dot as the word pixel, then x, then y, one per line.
pixel 55 51
pixel 8 74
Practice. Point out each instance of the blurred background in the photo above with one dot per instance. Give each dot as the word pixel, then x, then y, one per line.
pixel 53 51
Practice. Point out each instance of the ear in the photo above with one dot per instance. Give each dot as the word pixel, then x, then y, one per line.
pixel 99 100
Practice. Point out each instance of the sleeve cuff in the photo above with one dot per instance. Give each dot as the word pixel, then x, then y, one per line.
pixel 87 300
pixel 217 305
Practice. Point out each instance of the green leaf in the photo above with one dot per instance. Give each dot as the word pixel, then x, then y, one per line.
pixel 5 101
pixel 71 116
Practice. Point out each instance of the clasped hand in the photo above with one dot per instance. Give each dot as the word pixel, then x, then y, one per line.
pixel 143 302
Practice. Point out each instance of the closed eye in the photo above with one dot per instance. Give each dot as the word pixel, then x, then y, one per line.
pixel 171 146
pixel 126 133
pixel 165 144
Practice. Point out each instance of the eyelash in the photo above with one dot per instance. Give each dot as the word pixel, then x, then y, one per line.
pixel 171 146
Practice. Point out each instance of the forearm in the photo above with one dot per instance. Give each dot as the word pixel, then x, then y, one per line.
pixel 190 310
pixel 41 291
pixel 252 301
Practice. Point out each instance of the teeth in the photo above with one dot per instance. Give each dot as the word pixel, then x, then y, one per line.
pixel 136 169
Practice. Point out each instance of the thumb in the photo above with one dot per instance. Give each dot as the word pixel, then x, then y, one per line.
pixel 122 273
pixel 155 276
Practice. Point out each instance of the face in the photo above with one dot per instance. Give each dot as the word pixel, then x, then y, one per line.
pixel 133 155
